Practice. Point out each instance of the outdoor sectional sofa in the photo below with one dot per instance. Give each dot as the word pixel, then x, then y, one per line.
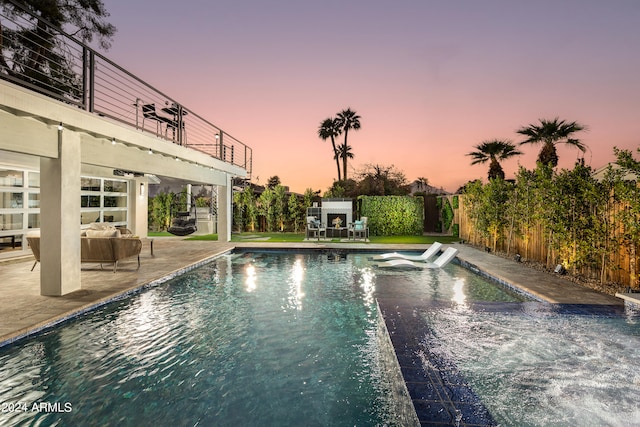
pixel 99 246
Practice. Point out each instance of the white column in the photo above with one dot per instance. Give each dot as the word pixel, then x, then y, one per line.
pixel 225 212
pixel 189 198
pixel 138 206
pixel 60 218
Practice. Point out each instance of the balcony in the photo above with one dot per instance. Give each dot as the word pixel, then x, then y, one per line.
pixel 46 60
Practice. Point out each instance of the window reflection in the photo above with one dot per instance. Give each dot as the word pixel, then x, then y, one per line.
pixel 11 178
pixel 368 284
pixel 459 296
pixel 11 222
pixel 34 200
pixel 34 220
pixel 250 281
pixel 34 179
pixel 10 200
pixel 295 285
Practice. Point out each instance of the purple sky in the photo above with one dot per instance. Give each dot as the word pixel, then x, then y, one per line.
pixel 430 79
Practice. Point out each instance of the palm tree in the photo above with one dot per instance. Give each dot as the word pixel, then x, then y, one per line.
pixel 329 128
pixel 344 153
pixel 494 151
pixel 551 132
pixel 347 120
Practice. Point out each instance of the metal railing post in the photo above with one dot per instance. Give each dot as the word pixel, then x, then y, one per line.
pixel 85 79
pixel 222 153
pixel 92 81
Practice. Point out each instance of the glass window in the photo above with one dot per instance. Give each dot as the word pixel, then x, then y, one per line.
pixel 34 200
pixel 89 217
pixel 111 186
pixel 90 184
pixel 11 178
pixel 115 216
pixel 34 180
pixel 89 201
pixel 10 200
pixel 104 200
pixel 11 221
pixel 11 243
pixel 115 201
pixel 34 220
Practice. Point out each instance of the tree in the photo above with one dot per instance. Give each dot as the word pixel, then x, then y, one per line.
pixel 273 182
pixel 347 120
pixel 245 204
pixel 38 55
pixel 493 151
pixel 521 214
pixel 238 211
pixel 380 180
pixel 84 19
pixel 159 210
pixel 266 207
pixel 329 128
pixel 344 188
pixel 550 133
pixel 295 212
pixel 493 219
pixel 279 206
pixel 307 199
pixel 344 152
pixel 627 192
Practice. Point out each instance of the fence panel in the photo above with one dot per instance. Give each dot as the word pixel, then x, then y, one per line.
pixel 619 263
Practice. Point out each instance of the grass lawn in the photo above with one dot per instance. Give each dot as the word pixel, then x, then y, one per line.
pixel 299 237
pixel 159 234
pixel 413 239
pixel 197 237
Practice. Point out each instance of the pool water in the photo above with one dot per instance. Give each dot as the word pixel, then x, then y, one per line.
pixel 536 365
pixel 278 338
pixel 249 339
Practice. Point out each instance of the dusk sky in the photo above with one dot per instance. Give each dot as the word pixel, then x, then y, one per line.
pixel 430 79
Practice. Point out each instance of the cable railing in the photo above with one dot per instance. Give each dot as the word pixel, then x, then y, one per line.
pixel 43 58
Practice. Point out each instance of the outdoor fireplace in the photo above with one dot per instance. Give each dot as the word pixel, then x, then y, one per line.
pixel 337 214
pixel 337 220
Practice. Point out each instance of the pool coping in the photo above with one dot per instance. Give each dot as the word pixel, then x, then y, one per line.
pixel 631 299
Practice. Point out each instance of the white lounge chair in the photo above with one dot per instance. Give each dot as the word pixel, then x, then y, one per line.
pixel 444 259
pixel 423 257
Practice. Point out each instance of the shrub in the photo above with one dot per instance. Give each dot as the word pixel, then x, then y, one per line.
pixel 393 215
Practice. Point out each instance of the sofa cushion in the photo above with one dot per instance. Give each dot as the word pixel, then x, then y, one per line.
pixel 103 233
pixel 101 226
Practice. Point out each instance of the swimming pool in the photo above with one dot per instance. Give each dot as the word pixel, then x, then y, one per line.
pixel 274 338
pixel 248 339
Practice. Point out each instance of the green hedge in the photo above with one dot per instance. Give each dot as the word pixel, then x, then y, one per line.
pixel 447 214
pixel 393 215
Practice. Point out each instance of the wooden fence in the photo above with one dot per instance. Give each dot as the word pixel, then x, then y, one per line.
pixel 618 263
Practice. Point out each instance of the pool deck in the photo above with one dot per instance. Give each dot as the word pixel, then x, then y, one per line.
pixel 24 311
